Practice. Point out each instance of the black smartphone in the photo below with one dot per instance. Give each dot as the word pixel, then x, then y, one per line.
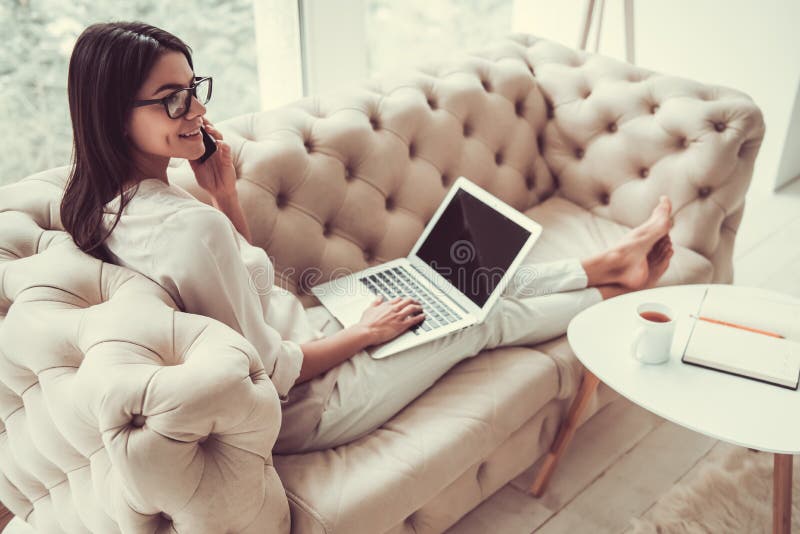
pixel 210 144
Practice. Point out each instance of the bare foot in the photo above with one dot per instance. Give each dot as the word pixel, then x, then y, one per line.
pixel 630 256
pixel 658 260
pixel 657 263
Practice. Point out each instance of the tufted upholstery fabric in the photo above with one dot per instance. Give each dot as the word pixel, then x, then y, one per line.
pixel 122 413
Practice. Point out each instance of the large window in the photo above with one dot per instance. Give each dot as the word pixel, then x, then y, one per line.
pixel 38 36
pixel 234 41
pixel 348 40
pixel 404 34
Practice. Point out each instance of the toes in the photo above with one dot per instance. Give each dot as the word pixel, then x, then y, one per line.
pixel 658 249
pixel 661 255
pixel 661 267
pixel 665 205
pixel 667 243
pixel 664 249
pixel 652 256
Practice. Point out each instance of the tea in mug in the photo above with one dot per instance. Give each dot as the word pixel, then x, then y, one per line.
pixel 655 317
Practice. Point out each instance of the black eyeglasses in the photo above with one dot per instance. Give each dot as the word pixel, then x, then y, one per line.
pixel 178 102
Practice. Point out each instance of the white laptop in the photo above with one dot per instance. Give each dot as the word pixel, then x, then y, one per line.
pixel 457 269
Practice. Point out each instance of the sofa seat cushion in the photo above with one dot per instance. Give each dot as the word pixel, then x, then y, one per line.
pixel 376 482
pixel 572 231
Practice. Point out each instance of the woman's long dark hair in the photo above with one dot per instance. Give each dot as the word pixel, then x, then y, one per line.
pixel 108 65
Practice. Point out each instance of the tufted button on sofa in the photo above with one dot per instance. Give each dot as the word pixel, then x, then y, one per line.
pixel 121 413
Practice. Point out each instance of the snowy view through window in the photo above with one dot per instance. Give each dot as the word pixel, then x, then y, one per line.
pixel 36 132
pixel 403 34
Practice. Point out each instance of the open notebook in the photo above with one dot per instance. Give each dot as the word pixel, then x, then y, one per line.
pixel 775 360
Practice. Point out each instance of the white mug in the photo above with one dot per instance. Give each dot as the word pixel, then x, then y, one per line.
pixel 653 341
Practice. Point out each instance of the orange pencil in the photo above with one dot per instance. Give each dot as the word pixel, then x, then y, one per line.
pixel 757 331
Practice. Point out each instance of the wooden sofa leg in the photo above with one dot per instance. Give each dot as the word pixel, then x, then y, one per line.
pixel 568 426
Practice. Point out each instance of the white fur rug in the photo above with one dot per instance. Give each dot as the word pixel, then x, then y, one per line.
pixel 731 492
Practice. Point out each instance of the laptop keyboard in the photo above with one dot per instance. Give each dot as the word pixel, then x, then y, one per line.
pixel 397 282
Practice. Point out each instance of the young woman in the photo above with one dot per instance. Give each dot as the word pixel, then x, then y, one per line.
pixel 135 102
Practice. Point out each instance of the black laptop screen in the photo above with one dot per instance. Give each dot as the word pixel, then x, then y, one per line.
pixel 472 245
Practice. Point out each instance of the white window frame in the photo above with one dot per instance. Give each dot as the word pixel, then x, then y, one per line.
pixel 279 54
pixel 334 42
pixel 308 47
pixel 305 47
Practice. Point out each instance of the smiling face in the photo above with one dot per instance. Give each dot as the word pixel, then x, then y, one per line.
pixel 154 136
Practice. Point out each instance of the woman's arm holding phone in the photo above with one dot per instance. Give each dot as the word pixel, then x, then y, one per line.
pixel 217 176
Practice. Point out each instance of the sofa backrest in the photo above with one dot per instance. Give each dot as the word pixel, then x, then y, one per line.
pixel 335 183
pixel 119 413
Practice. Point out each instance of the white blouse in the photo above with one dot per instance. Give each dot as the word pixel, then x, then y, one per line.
pixel 196 254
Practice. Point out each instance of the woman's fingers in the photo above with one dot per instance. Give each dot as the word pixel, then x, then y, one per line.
pixel 410 308
pixel 211 129
pixel 403 301
pixel 215 134
pixel 414 318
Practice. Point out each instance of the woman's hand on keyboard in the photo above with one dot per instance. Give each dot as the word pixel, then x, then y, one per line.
pixel 385 320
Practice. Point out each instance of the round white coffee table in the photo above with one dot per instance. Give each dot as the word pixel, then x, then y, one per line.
pixel 726 407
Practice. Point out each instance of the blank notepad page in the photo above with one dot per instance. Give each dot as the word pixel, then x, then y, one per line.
pixel 745 353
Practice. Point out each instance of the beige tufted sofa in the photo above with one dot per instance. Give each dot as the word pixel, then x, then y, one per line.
pixel 122 413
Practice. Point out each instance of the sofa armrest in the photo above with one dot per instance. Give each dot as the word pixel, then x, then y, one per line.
pixel 122 413
pixel 619 136
pixel 188 431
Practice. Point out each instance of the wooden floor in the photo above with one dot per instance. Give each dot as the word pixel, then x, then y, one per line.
pixel 607 478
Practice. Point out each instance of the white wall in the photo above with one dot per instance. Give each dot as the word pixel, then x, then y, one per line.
pixel 750 45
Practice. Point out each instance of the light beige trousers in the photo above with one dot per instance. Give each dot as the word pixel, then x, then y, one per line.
pixel 360 394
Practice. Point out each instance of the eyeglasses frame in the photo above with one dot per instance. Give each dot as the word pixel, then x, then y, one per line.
pixel 192 93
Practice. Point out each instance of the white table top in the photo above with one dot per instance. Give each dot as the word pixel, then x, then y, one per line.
pixel 726 407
